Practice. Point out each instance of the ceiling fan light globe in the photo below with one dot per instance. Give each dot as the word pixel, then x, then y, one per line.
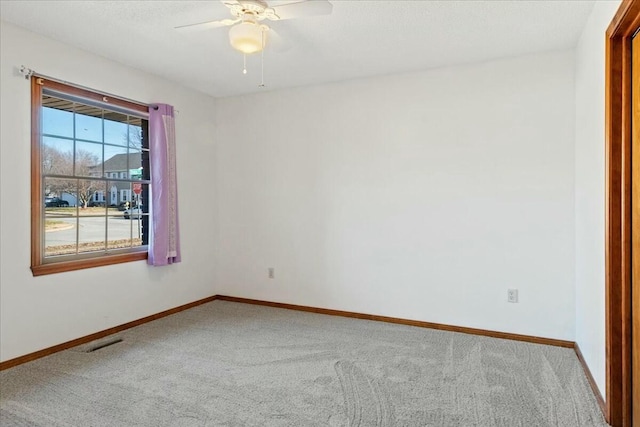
pixel 247 37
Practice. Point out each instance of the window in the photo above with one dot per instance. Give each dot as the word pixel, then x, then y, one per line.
pixel 98 196
pixel 81 143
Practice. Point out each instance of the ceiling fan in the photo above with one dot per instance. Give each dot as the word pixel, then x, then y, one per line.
pixel 247 34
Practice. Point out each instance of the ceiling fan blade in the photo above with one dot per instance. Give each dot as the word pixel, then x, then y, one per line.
pixel 206 25
pixel 302 9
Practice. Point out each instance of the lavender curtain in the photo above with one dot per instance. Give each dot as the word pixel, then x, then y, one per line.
pixel 164 244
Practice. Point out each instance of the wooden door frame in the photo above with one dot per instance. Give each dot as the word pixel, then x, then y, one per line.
pixel 618 213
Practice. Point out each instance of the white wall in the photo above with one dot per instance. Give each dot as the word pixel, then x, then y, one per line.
pixel 36 313
pixel 590 190
pixel 421 196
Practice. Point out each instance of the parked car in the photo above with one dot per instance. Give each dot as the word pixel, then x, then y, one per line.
pixel 135 213
pixel 96 204
pixel 55 202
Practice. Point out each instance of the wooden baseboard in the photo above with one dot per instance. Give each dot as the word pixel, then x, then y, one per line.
pixel 592 381
pixel 462 329
pixel 92 337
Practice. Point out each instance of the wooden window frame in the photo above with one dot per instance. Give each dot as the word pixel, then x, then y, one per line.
pixel 38 266
pixel 618 259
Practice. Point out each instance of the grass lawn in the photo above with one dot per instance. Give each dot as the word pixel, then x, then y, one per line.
pixel 82 211
pixel 91 246
pixel 52 224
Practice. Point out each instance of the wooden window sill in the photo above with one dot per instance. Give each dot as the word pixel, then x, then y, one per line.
pixel 59 267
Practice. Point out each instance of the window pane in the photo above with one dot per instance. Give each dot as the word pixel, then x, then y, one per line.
pixel 95 194
pixel 59 236
pixel 115 161
pixel 119 233
pixel 87 194
pixel 92 234
pixel 139 195
pixel 135 165
pixel 57 116
pixel 115 128
pixel 60 216
pixel 135 134
pixel 88 123
pixel 88 159
pixel 59 196
pixel 57 156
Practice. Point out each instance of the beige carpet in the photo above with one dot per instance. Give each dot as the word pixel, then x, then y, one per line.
pixel 230 364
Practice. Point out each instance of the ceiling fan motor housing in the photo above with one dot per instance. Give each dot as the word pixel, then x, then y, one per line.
pixel 256 8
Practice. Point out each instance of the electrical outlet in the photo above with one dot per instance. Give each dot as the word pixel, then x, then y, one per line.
pixel 512 295
pixel 272 272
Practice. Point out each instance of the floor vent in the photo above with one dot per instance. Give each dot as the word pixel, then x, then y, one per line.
pixel 96 345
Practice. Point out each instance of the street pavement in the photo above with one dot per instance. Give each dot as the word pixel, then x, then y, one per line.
pixel 92 229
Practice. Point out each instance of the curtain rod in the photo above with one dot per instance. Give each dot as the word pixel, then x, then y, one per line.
pixel 28 73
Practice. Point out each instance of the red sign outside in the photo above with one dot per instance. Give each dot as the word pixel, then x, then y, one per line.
pixel 137 188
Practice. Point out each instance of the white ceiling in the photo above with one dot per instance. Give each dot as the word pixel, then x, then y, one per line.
pixel 360 38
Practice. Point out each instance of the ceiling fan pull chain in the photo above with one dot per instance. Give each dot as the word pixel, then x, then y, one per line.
pixel 262 58
pixel 244 69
